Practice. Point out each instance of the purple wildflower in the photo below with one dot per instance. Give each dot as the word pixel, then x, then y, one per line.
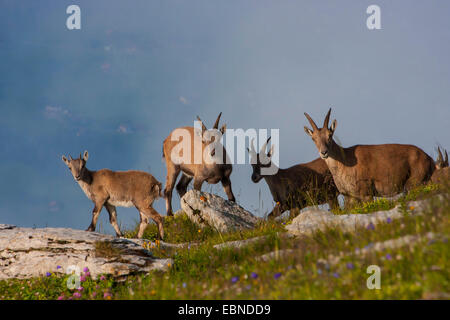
pixel 254 275
pixel 319 271
pixel 184 284
pixel 234 279
pixel 370 226
pixel 388 257
pixel 48 274
pixel 277 275
pixel 388 220
pixel 58 267
pixel 336 275
pixel 88 274
pixel 350 266
pixel 86 269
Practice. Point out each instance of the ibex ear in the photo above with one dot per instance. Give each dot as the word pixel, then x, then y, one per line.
pixel 308 131
pixel 223 128
pixel 85 156
pixel 333 125
pixel 65 160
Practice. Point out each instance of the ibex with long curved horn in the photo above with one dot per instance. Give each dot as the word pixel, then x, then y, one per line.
pixel 211 168
pixel 363 171
pixel 442 172
pixel 296 186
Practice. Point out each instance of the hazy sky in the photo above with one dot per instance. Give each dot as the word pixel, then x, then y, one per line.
pixel 138 69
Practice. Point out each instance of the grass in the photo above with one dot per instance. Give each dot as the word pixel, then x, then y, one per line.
pixel 415 271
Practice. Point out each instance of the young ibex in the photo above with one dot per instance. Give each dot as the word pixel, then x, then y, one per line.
pixel 442 172
pixel 363 171
pixel 117 188
pixel 293 187
pixel 209 171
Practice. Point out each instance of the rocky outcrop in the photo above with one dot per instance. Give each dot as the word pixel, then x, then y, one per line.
pixel 207 209
pixel 311 221
pixel 27 252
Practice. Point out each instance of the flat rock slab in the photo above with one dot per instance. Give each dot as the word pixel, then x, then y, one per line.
pixel 6 226
pixel 237 244
pixel 208 209
pixel 27 253
pixel 311 221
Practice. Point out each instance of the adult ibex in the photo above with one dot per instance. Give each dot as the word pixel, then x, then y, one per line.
pixel 216 169
pixel 363 171
pixel 117 188
pixel 293 187
pixel 442 172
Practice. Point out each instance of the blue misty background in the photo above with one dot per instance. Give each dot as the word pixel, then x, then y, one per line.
pixel 138 69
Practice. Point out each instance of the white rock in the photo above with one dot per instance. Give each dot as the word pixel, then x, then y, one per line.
pixel 237 244
pixel 27 252
pixel 311 221
pixel 207 209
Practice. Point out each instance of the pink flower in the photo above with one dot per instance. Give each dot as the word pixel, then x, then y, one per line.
pixel 61 297
pixel 77 295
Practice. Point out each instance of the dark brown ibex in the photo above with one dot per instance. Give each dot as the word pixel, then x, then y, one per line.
pixel 117 188
pixel 293 187
pixel 363 171
pixel 442 172
pixel 200 170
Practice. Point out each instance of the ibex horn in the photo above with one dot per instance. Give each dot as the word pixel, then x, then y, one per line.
pixel 446 159
pixel 70 157
pixel 216 125
pixel 440 158
pixel 263 148
pixel 311 121
pixel 327 119
pixel 252 147
pixel 203 126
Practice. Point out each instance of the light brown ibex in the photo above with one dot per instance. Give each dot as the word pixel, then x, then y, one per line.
pixel 295 186
pixel 442 172
pixel 363 171
pixel 200 171
pixel 117 188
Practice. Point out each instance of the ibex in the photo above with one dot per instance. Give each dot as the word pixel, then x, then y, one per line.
pixel 117 188
pixel 442 172
pixel 211 172
pixel 363 171
pixel 291 188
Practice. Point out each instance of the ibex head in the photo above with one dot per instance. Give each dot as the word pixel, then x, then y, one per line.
pixel 441 162
pixel 260 160
pixel 216 125
pixel 77 166
pixel 322 137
